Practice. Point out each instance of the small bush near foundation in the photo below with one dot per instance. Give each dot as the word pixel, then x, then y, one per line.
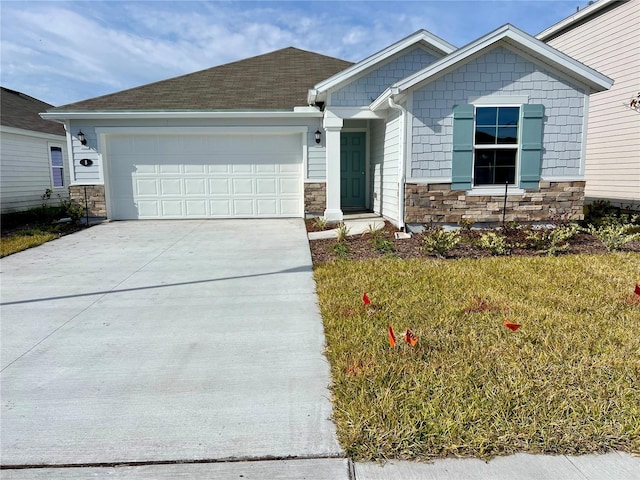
pixel 320 223
pixel 438 242
pixel 340 248
pixel 553 240
pixel 343 231
pixel 495 243
pixel 615 237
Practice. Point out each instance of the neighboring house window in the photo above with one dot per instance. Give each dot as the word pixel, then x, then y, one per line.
pixel 57 166
pixel 498 144
pixel 495 145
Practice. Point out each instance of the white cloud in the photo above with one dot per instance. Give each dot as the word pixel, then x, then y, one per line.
pixel 66 51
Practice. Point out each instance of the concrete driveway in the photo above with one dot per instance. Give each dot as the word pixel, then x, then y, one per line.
pixel 157 342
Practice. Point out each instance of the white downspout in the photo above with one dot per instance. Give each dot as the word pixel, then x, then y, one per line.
pixel 401 161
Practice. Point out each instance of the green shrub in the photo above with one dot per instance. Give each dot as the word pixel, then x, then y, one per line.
pixel 438 242
pixel 614 236
pixel 552 240
pixel 343 231
pixel 382 244
pixel 495 243
pixel 340 248
pixel 320 223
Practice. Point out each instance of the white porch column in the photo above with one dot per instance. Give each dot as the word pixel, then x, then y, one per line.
pixel 332 127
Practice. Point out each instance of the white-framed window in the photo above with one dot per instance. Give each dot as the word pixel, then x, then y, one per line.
pixel 496 145
pixel 56 162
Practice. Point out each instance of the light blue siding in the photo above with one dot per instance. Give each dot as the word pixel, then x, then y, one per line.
pixel 364 90
pixel 502 72
pixel 385 148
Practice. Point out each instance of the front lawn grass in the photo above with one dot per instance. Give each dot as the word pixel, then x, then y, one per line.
pixel 568 381
pixel 25 238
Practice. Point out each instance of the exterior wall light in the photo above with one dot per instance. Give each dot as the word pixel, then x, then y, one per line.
pixel 82 138
pixel 318 136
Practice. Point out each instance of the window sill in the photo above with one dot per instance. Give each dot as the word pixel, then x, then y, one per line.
pixel 494 192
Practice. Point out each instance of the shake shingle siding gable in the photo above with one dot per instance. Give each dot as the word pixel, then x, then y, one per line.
pixel 365 89
pixel 278 80
pixel 499 72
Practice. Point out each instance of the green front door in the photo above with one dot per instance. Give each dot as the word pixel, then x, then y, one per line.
pixel 352 170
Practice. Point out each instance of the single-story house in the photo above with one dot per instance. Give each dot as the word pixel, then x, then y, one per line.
pixel 33 153
pixel 420 131
pixel 606 36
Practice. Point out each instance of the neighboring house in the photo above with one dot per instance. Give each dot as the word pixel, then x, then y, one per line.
pixel 33 153
pixel 418 132
pixel 606 36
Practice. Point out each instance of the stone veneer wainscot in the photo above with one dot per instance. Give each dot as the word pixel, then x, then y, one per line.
pixel 95 196
pixel 438 203
pixel 315 197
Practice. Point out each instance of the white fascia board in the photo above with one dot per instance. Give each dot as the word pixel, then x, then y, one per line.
pixel 354 113
pixel 573 19
pixel 421 36
pixel 510 35
pixel 235 130
pixel 91 115
pixel 32 133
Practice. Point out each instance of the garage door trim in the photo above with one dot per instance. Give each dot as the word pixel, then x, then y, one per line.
pixel 105 133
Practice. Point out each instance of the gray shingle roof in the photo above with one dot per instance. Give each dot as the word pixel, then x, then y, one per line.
pixel 274 81
pixel 18 110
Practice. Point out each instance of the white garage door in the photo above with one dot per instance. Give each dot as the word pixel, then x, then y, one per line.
pixel 204 176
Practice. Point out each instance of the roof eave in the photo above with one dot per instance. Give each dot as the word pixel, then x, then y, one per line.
pixel 298 112
pixel 511 35
pixel 573 19
pixel 422 36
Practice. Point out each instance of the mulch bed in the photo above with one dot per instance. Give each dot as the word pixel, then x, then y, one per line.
pixel 360 247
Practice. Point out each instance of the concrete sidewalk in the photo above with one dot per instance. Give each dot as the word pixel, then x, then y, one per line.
pixel 610 466
pixel 356 223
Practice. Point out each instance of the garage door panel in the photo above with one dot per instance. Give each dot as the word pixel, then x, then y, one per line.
pixel 242 186
pixel 148 208
pixel 291 168
pixel 243 208
pixel 147 187
pixel 172 208
pixel 194 186
pixel 170 169
pixel 142 169
pixel 194 169
pixel 266 186
pixel 267 208
pixel 267 169
pixel 204 176
pixel 219 186
pixel 220 208
pixel 144 144
pixel 170 187
pixel 289 186
pixel 221 169
pixel 241 168
pixel 289 207
pixel 196 208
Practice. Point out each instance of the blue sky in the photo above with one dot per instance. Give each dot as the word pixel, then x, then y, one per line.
pixel 64 51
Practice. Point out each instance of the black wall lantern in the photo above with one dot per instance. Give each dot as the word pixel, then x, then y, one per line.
pixel 318 136
pixel 82 138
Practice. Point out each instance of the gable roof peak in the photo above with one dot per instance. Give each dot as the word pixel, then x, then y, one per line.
pixel 419 37
pixel 513 37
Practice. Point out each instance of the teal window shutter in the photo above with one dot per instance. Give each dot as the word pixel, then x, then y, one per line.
pixel 462 158
pixel 531 149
